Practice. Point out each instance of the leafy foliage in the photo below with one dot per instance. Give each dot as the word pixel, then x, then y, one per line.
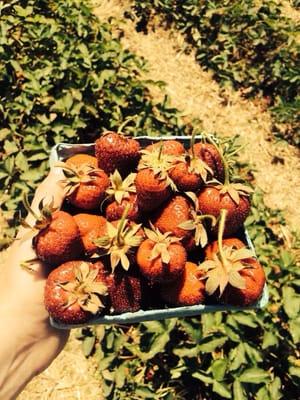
pixel 64 77
pixel 233 355
pixel 249 43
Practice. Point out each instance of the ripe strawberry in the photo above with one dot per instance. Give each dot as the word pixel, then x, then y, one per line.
pixel 82 159
pixel 85 184
pixel 75 292
pixel 232 270
pixel 191 173
pixel 125 292
pixel 210 155
pixel 171 147
pixel 121 241
pixel 213 198
pixel 168 219
pixel 188 290
pixel 90 227
pixel 59 239
pixel 153 184
pixel 56 236
pixel 115 151
pixel 115 210
pixel 161 258
pixel 123 193
pixel 151 190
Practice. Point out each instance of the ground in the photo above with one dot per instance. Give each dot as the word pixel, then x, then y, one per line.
pixel 276 165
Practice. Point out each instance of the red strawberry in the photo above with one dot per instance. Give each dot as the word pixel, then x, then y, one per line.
pixel 115 151
pixel 115 210
pixel 125 292
pixel 153 183
pixel 151 190
pixel 75 292
pixel 188 290
pixel 210 155
pixel 212 199
pixel 251 273
pixel 171 147
pixel 90 227
pixel 161 258
pixel 168 219
pixel 231 270
pixel 86 184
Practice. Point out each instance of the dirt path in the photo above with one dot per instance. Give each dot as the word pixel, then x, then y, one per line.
pixel 276 166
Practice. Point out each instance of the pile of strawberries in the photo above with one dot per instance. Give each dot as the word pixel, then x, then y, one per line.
pixel 146 228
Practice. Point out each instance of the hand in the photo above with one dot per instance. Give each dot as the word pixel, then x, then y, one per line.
pixel 28 343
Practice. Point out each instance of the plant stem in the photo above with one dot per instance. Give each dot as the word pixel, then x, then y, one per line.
pixel 224 161
pixel 220 238
pixel 121 225
pixel 160 150
pixel 124 123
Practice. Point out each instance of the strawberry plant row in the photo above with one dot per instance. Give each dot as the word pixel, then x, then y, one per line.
pixel 248 43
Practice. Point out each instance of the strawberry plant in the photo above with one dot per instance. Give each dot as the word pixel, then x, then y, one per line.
pixel 247 43
pixel 64 77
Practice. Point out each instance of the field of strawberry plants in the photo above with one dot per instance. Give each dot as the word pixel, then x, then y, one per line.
pixel 249 44
pixel 65 77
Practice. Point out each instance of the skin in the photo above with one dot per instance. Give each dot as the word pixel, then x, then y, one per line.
pixel 30 350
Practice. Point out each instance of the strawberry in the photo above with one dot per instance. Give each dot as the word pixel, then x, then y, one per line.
pixel 75 292
pixel 232 271
pixel 121 241
pixel 161 258
pixel 125 292
pixel 90 227
pixel 85 184
pixel 115 151
pixel 213 198
pixel 82 159
pixel 56 234
pixel 123 193
pixel 115 210
pixel 210 155
pixel 153 184
pixel 188 290
pixel 191 173
pixel 171 147
pixel 230 196
pixel 175 212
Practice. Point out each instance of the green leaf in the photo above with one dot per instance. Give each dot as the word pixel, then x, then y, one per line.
pixel 237 357
pixel 209 344
pixel 202 377
pixel 88 345
pixel 221 389
pixel 4 133
pixel 238 392
pixel 10 147
pixel 21 162
pixel 295 329
pixel 254 375
pixel 291 302
pixel 274 389
pixel 263 394
pixel 269 339
pixel 245 319
pixel 218 369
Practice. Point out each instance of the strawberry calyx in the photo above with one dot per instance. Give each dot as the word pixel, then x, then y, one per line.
pixel 196 223
pixel 75 175
pixel 42 218
pixel 161 241
pixel 120 189
pixel 226 264
pixel 120 240
pixel 159 163
pixel 85 290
